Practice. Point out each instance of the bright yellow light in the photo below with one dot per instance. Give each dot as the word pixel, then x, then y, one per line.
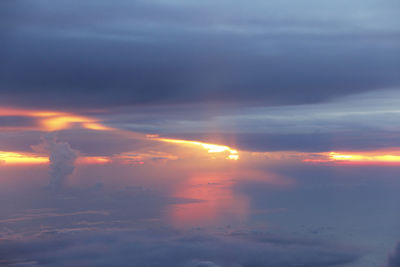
pixel 233 157
pixel 211 148
pixel 364 158
pixel 93 160
pixel 96 126
pixel 20 158
pixel 337 156
pixel 15 158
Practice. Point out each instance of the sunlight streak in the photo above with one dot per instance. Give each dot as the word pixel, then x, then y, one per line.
pixel 20 158
pixel 211 148
pixel 14 158
pixel 361 158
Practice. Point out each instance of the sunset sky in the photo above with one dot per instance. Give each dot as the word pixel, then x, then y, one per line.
pixel 200 133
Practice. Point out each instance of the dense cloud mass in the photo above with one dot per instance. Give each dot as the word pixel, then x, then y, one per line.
pixel 95 227
pixel 199 133
pixel 394 258
pixel 69 53
pixel 62 161
pixel 366 121
pixel 166 248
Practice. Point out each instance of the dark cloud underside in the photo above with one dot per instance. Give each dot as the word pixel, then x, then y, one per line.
pixel 97 53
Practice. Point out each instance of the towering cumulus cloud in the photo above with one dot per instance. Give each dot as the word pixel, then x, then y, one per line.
pixel 62 160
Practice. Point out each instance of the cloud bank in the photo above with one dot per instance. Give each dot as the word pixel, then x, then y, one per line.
pixel 127 53
pixel 169 248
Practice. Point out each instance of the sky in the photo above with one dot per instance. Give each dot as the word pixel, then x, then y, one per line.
pixel 200 133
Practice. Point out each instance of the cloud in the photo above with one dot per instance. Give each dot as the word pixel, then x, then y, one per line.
pixel 366 121
pixel 95 227
pixel 203 264
pixel 394 257
pixel 170 248
pixel 151 53
pixel 62 160
pixel 16 122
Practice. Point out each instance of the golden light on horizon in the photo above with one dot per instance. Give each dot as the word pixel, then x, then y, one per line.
pixel 15 158
pixel 93 160
pixel 20 158
pixel 337 156
pixel 233 157
pixel 54 120
pixel 363 158
pixel 211 148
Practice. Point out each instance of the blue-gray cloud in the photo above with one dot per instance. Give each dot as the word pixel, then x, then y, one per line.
pixel 170 248
pixel 97 227
pixel 394 257
pixel 124 53
pixel 16 122
pixel 366 121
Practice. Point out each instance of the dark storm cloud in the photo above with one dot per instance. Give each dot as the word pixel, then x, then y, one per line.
pixel 96 53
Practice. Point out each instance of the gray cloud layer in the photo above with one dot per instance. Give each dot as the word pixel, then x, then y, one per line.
pixel 95 227
pixel 122 53
pixel 394 258
pixel 364 121
pixel 166 248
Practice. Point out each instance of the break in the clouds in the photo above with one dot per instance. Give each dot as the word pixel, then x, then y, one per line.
pixel 101 53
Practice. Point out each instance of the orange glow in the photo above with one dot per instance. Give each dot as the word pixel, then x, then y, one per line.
pixel 17 158
pixel 211 148
pixel 233 157
pixel 337 156
pixel 93 160
pixel 61 122
pixel 4 111
pixel 363 158
pixel 141 158
pixel 14 158
pixel 212 196
pixel 54 121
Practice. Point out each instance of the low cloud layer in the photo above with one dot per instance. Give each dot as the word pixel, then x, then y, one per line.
pixel 168 248
pixel 95 227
